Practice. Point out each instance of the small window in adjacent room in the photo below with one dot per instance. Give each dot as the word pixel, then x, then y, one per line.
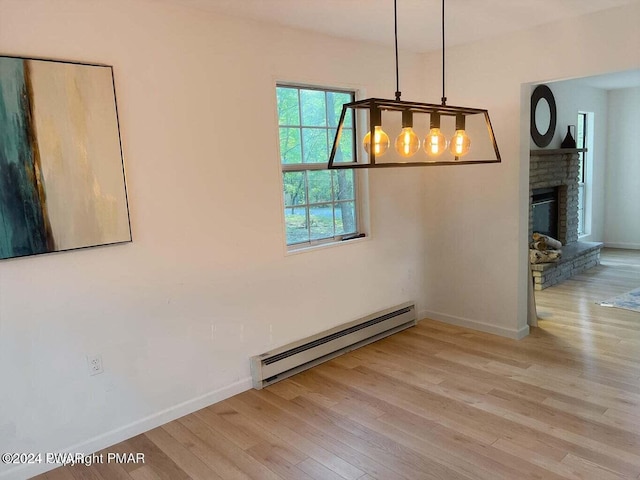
pixel 583 179
pixel 320 205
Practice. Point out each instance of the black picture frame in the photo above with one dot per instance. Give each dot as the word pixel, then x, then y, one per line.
pixel 539 93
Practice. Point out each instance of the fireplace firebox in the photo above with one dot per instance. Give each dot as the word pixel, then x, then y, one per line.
pixel 544 206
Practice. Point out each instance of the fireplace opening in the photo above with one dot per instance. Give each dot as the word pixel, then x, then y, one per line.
pixel 544 208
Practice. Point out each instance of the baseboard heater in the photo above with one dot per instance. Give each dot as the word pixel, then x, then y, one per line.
pixel 286 361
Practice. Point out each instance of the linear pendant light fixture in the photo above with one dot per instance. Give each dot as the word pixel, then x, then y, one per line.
pixel 456 135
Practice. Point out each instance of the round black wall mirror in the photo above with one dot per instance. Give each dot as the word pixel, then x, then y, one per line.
pixel 543 115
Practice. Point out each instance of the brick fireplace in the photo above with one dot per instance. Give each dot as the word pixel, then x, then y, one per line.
pixel 557 171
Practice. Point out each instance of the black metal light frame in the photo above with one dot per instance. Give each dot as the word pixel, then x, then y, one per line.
pixel 377 107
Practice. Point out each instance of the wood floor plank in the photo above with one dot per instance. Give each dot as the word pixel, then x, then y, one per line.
pixel 241 437
pixel 408 462
pixel 450 450
pixel 269 457
pixel 61 473
pixel 322 431
pixel 481 453
pixel 145 473
pixel 587 469
pixel 112 471
pixel 292 431
pixel 611 436
pixel 317 471
pixel 125 448
pixel 80 472
pixel 238 457
pixel 546 461
pixel 633 421
pixel 156 461
pixel 186 460
pixel 217 462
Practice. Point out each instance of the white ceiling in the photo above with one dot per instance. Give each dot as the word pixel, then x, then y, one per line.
pixel 418 20
pixel 612 81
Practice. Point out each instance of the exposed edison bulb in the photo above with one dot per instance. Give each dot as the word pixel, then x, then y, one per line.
pixel 380 142
pixel 460 143
pixel 407 143
pixel 435 143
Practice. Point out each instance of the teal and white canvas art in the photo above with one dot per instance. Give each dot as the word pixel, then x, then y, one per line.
pixel 62 183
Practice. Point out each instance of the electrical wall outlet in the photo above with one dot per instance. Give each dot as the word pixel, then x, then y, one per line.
pixel 94 363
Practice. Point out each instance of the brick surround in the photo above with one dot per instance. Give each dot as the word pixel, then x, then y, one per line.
pixel 559 169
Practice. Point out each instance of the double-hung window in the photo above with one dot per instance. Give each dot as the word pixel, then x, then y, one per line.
pixel 320 205
pixel 581 140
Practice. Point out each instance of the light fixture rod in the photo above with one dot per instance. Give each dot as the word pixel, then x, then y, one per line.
pixel 395 21
pixel 444 98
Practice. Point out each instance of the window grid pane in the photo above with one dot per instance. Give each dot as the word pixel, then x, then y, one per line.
pixel 322 223
pixel 320 187
pixel 288 106
pixel 344 214
pixel 314 145
pixel 343 185
pixel 581 218
pixel 319 204
pixel 294 188
pixel 290 145
pixel 297 222
pixel 313 108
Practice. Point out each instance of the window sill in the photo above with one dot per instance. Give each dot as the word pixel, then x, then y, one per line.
pixel 322 246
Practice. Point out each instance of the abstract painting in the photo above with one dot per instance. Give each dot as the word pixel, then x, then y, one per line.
pixel 62 181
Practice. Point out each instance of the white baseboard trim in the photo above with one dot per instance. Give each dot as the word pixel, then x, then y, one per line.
pixel 629 246
pixel 475 325
pixel 135 428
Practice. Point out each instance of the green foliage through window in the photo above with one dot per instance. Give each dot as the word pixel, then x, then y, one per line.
pixel 318 203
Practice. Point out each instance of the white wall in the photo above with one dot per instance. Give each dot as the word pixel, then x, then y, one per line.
pixel 622 227
pixel 206 283
pixel 571 97
pixel 477 217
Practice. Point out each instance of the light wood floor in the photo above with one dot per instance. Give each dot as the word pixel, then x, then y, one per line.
pixel 434 402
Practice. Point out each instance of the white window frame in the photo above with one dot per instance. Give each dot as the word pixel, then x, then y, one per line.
pixel 360 181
